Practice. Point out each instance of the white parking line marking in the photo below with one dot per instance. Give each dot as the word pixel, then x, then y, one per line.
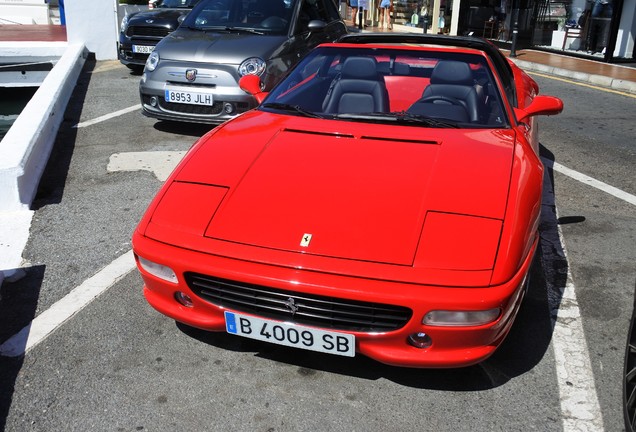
pixel 107 116
pixel 618 193
pixel 45 323
pixel 579 400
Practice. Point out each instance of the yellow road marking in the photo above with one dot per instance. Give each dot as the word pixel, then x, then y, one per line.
pixel 582 84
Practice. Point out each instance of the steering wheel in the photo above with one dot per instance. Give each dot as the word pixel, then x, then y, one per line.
pixel 441 98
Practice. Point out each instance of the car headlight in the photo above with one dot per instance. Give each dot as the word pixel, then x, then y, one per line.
pixel 252 66
pixel 153 61
pixel 124 24
pixel 453 318
pixel 158 270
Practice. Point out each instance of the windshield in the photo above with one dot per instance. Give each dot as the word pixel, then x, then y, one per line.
pixel 177 4
pixel 264 16
pixel 392 85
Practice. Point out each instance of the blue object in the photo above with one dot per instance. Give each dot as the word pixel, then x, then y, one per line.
pixel 62 17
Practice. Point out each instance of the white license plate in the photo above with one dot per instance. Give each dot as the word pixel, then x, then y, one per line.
pixel 186 97
pixel 142 49
pixel 291 335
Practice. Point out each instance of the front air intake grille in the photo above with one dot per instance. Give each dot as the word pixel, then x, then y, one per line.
pixel 314 310
pixel 214 109
pixel 192 109
pixel 151 31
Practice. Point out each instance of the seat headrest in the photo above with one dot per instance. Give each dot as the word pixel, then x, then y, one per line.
pixel 401 69
pixel 452 72
pixel 359 68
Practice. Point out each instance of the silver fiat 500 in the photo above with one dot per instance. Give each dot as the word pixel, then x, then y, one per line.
pixel 192 75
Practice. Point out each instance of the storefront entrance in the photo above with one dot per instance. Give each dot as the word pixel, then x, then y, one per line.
pixel 600 29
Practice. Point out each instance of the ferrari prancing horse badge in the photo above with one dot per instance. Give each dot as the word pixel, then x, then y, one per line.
pixel 305 240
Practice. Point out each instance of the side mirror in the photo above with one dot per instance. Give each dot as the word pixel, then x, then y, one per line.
pixel 541 105
pixel 181 18
pixel 316 25
pixel 252 84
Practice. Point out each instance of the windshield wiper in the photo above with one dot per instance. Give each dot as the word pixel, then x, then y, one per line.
pixel 291 108
pixel 398 117
pixel 431 121
pixel 229 29
pixel 244 30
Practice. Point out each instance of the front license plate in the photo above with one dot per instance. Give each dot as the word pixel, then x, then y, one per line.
pixel 142 49
pixel 291 335
pixel 186 97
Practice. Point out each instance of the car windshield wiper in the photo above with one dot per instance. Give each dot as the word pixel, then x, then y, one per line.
pixel 398 117
pixel 224 28
pixel 431 121
pixel 291 108
pixel 244 30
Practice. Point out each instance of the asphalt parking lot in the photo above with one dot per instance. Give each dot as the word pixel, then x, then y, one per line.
pixel 116 364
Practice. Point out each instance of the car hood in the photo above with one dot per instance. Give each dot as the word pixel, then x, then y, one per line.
pixel 362 193
pixel 159 17
pixel 217 47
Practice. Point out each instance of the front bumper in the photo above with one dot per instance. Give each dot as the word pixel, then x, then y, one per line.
pixel 191 113
pixel 128 57
pixel 229 99
pixel 451 347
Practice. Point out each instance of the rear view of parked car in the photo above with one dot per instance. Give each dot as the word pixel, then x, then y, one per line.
pixel 141 31
pixel 193 74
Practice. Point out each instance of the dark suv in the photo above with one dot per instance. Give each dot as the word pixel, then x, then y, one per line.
pixel 141 31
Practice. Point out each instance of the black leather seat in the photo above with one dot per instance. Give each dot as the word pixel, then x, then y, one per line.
pixel 358 90
pixel 450 95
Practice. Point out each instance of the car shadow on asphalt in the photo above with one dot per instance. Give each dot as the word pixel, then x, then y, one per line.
pixel 184 128
pixel 18 306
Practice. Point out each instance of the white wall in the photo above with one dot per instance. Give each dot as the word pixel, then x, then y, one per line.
pixel 93 23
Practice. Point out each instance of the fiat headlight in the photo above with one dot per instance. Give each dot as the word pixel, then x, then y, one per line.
pixel 252 66
pixel 153 61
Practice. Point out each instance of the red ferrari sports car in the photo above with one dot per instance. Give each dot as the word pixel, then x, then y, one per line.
pixel 382 200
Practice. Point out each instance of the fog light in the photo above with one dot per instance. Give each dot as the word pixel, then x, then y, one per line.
pixel 228 108
pixel 420 340
pixel 460 318
pixel 153 101
pixel 183 298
